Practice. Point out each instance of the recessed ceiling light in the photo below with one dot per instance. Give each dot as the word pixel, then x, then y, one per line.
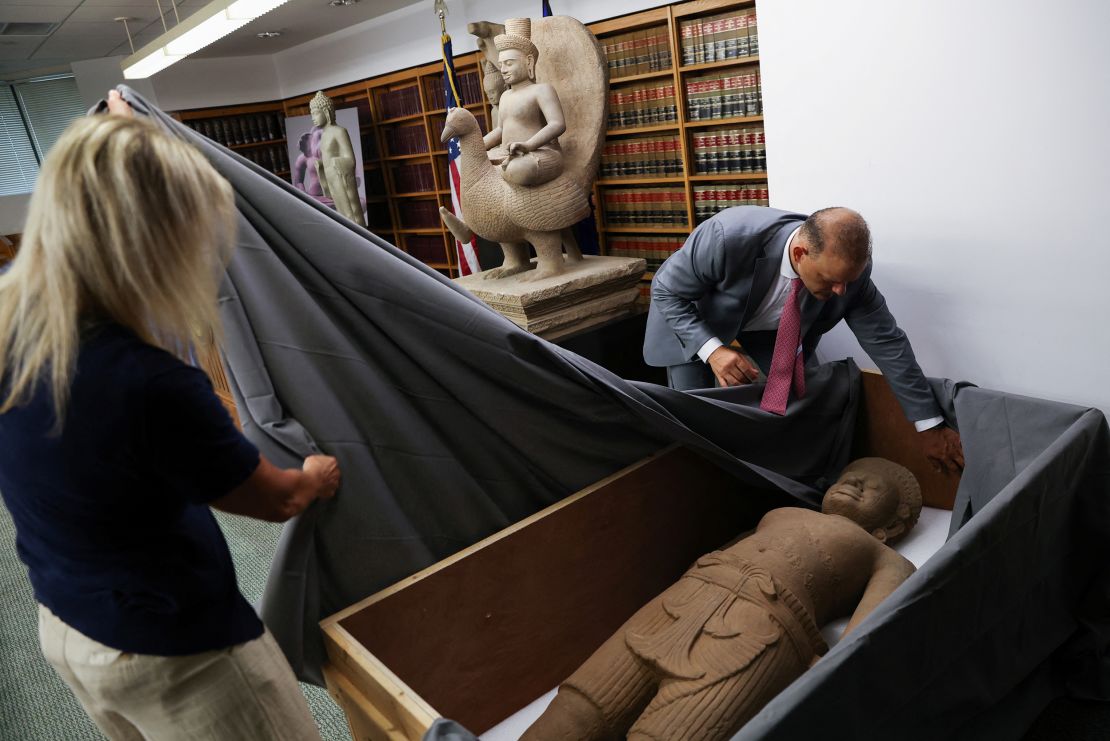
pixel 342 3
pixel 268 34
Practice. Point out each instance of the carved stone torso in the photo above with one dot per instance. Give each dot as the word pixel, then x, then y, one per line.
pixel 520 114
pixel 825 560
pixel 330 141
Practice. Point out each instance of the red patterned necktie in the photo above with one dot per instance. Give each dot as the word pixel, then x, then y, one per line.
pixel 786 363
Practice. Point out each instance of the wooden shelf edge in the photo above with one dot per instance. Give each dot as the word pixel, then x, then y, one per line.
pixel 642 129
pixel 719 63
pixel 644 229
pixel 669 72
pixel 394 157
pixel 736 176
pixel 703 123
pixel 401 119
pixel 251 145
pixel 640 181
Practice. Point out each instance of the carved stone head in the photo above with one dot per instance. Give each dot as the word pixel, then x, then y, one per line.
pixel 322 109
pixel 516 54
pixel 879 495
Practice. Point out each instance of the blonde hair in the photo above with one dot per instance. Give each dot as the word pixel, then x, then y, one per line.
pixel 126 224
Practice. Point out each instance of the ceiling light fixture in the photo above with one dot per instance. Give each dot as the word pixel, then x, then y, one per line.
pixel 342 3
pixel 268 34
pixel 209 24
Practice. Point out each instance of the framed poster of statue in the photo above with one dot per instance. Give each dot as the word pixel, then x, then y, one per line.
pixel 326 157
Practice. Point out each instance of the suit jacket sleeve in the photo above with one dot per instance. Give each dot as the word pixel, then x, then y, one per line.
pixel 685 277
pixel 879 334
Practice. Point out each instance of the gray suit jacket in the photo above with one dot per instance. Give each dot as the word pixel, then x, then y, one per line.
pixel 717 280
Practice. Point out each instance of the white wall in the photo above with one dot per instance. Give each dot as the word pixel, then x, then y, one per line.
pixel 973 137
pixel 410 36
pixel 200 83
pixel 95 77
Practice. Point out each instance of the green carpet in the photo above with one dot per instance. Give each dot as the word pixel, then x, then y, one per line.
pixel 34 703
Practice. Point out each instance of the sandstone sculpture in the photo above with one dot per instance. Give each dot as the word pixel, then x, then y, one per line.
pixel 552 131
pixel 336 164
pixel 703 657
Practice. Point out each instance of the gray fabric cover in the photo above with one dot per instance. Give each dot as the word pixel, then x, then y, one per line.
pixel 449 422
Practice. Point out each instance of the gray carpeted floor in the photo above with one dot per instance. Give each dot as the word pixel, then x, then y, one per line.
pixel 34 703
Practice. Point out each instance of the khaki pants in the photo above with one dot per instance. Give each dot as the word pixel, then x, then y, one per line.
pixel 244 692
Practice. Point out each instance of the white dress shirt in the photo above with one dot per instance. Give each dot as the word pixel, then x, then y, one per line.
pixel 769 312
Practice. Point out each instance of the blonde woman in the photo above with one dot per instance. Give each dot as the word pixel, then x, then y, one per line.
pixel 112 449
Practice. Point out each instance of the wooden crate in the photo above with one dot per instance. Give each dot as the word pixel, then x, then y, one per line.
pixel 481 634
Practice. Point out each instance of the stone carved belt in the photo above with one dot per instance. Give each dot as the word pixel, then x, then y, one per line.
pixel 725 607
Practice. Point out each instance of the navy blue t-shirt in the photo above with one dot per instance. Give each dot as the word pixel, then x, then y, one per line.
pixel 112 515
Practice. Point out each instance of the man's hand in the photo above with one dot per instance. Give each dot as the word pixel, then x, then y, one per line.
pixel 325 471
pixel 942 447
pixel 117 105
pixel 517 149
pixel 732 368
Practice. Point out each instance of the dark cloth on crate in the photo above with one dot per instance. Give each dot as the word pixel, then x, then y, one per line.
pixel 112 516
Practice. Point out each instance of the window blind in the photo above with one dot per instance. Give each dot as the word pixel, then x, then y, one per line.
pixel 50 104
pixel 18 165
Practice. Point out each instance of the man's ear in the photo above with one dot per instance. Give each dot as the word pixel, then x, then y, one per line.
pixel 531 66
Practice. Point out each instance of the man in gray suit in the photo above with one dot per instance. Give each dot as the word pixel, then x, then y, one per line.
pixel 731 280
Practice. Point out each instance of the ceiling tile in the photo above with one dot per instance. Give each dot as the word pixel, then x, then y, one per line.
pixel 142 14
pixel 78 31
pixel 74 49
pixel 53 3
pixel 28 14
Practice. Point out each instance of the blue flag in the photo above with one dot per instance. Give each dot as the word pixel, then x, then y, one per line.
pixel 546 9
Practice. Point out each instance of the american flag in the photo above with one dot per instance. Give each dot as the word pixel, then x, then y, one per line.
pixel 467 252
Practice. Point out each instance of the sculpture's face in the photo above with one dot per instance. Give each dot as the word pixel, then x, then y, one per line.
pixel 319 117
pixel 865 496
pixel 514 66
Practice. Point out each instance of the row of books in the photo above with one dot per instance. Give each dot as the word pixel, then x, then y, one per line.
pixel 416 214
pixel 416 178
pixel 438 122
pixel 653 249
pixel 401 140
pixel 730 150
pixel 638 52
pixel 397 103
pixel 709 199
pixel 642 157
pixel 426 248
pixel 235 130
pixel 642 105
pixel 645 206
pixel 470 90
pixel 716 37
pixel 273 158
pixel 725 94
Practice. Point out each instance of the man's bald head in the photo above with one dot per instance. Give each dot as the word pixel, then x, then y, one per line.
pixel 841 230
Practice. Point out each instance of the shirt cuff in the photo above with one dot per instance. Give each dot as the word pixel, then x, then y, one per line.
pixel 707 349
pixel 928 424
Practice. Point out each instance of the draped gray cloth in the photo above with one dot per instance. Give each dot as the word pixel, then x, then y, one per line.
pixel 449 422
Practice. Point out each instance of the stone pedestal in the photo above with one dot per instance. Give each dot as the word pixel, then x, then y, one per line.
pixel 589 292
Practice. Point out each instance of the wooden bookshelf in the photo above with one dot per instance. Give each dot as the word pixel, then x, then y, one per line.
pixel 255 131
pixel 713 170
pixel 690 139
pixel 404 188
